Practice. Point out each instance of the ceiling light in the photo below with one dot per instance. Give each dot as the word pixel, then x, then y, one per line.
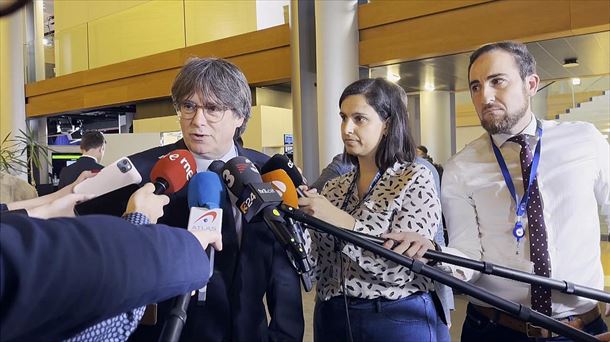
pixel 392 77
pixel 576 81
pixel 429 87
pixel 570 62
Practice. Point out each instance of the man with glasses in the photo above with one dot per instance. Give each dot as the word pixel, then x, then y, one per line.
pixel 92 147
pixel 213 102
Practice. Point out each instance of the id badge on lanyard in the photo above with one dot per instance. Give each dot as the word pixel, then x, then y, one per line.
pixel 520 205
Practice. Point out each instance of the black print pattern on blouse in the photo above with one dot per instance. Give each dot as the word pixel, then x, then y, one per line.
pixel 403 200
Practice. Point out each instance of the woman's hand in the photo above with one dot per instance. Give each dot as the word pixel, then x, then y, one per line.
pixel 61 207
pixel 319 207
pixel 411 244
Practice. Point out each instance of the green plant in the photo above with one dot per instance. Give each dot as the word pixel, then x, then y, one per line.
pixel 22 154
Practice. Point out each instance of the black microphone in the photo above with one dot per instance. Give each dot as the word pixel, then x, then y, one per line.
pixel 283 185
pixel 216 166
pixel 258 200
pixel 281 162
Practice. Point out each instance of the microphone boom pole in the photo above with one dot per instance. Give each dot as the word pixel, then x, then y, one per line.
pixel 489 268
pixel 522 312
pixel 505 272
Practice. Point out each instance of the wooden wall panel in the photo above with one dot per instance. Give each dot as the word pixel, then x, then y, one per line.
pixel 381 12
pixel 464 29
pixel 592 15
pixel 263 56
pixel 152 27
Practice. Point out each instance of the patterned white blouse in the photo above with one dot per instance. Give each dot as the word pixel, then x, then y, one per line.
pixel 404 199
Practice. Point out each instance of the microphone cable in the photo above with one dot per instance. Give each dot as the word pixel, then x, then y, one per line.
pixel 338 247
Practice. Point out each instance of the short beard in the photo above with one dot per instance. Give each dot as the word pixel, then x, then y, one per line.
pixel 504 124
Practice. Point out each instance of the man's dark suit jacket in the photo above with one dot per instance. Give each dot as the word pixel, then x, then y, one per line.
pixel 71 172
pixel 234 310
pixel 60 276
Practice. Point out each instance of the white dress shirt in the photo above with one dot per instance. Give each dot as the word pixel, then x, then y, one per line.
pixel 573 178
pixel 204 164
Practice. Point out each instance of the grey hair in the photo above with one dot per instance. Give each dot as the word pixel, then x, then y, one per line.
pixel 218 82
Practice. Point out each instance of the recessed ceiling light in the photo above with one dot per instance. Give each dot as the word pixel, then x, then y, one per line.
pixel 570 62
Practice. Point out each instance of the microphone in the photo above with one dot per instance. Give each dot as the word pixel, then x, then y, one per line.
pixel 242 179
pixel 169 174
pixel 281 162
pixel 172 171
pixel 216 166
pixel 283 185
pixel 205 193
pixel 255 197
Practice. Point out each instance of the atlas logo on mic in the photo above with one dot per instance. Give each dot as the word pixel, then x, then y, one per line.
pixel 207 220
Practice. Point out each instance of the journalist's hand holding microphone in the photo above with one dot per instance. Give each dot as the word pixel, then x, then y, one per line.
pixel 144 201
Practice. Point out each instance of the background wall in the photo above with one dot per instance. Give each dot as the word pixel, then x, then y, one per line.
pixel 90 34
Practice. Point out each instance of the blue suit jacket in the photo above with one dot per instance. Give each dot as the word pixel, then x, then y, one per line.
pixel 243 275
pixel 60 276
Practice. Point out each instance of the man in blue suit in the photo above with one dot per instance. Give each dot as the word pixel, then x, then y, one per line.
pixel 62 275
pixel 213 102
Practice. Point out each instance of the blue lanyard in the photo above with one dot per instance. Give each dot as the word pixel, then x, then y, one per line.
pixel 519 231
pixel 350 190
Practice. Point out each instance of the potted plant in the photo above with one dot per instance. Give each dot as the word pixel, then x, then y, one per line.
pixel 22 154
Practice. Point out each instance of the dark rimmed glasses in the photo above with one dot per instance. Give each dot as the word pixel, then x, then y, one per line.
pixel 187 110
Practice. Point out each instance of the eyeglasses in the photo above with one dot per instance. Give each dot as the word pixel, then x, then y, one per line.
pixel 187 110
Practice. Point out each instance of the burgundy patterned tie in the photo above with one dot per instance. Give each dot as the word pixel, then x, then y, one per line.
pixel 539 254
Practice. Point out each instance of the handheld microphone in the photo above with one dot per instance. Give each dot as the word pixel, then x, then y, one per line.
pixel 281 162
pixel 255 197
pixel 173 171
pixel 205 195
pixel 216 166
pixel 243 180
pixel 169 174
pixel 282 184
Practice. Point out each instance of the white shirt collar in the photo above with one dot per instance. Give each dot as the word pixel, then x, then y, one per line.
pixel 530 129
pixel 204 164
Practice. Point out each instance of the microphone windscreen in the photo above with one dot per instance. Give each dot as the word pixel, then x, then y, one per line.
pixel 176 168
pixel 216 166
pixel 206 190
pixel 282 183
pixel 281 162
pixel 239 172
